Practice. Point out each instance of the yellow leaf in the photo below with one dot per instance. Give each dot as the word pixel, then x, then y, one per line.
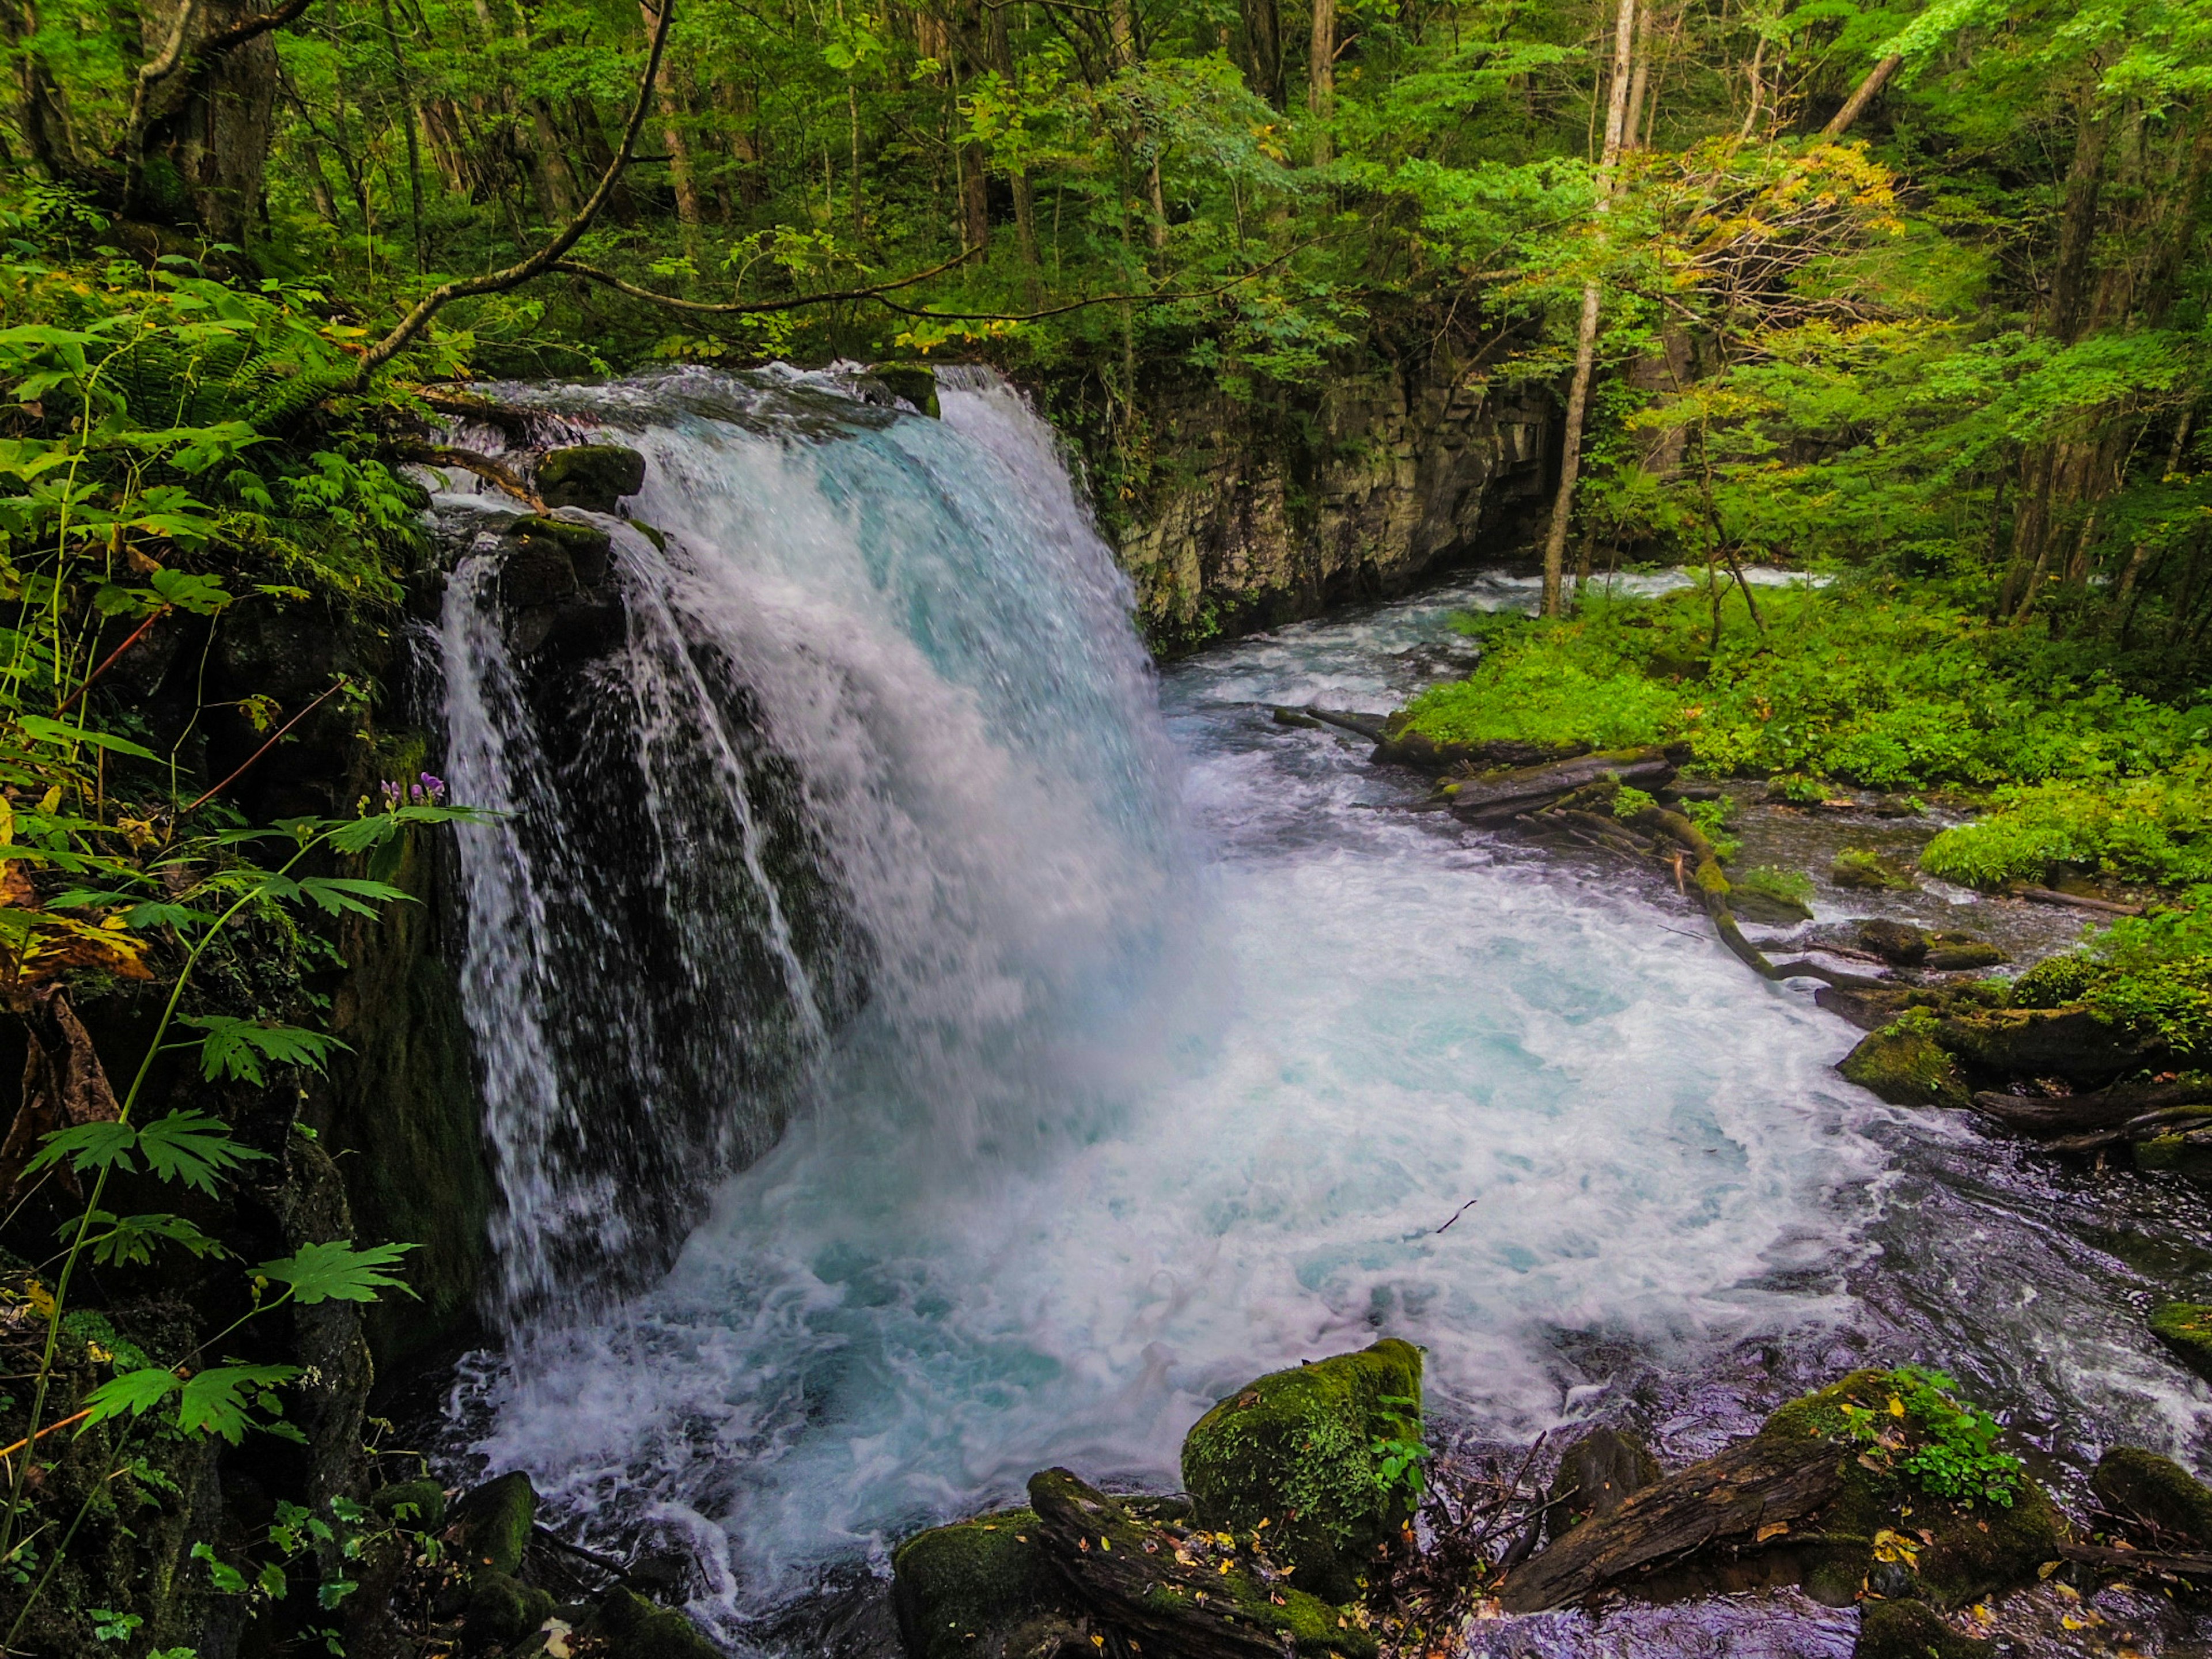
pixel 50 800
pixel 1771 1529
pixel 1225 1569
pixel 2048 1568
pixel 1896 1406
pixel 7 822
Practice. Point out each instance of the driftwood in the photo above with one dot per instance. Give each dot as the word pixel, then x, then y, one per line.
pixel 1366 726
pixel 2114 1110
pixel 2187 1566
pixel 1178 1589
pixel 1750 1486
pixel 1497 797
pixel 2075 901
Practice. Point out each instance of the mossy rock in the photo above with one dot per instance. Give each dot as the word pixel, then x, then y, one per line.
pixel 1948 1552
pixel 1867 870
pixel 2156 1492
pixel 1912 1630
pixel 2185 1155
pixel 594 476
pixel 2055 982
pixel 424 1500
pixel 1296 1450
pixel 2185 1327
pixel 635 1629
pixel 983 1588
pixel 1904 1065
pixel 502 1609
pixel 495 1520
pixel 1898 943
pixel 915 382
pixel 1768 910
pixel 536 542
pixel 2071 1042
pixel 1964 956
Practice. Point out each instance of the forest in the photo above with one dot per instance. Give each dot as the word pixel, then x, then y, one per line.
pixel 1857 354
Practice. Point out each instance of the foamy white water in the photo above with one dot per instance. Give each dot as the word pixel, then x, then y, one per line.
pixel 1179 1044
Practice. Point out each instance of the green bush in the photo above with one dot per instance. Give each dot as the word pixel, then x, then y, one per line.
pixel 2151 829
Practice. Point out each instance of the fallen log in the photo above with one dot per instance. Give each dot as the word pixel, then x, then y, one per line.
pixel 1181 1588
pixel 2076 901
pixel 1366 726
pixel 2093 1555
pixel 1497 796
pixel 2098 1111
pixel 1750 1486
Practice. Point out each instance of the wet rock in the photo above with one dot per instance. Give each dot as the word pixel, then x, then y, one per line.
pixel 1860 867
pixel 2189 1154
pixel 1958 953
pixel 1912 1630
pixel 1595 1477
pixel 495 1522
pixel 914 383
pixel 594 476
pixel 556 584
pixel 2172 1507
pixel 985 1588
pixel 1184 1589
pixel 1898 943
pixel 2069 1042
pixel 502 1609
pixel 2186 1328
pixel 636 1629
pixel 1904 1065
pixel 1296 1450
pixel 1768 910
pixel 1868 1008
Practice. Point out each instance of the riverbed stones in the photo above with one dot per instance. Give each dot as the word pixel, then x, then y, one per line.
pixel 1596 1476
pixel 594 476
pixel 2171 1506
pixel 1862 868
pixel 2186 1328
pixel 1897 943
pixel 985 1588
pixel 1296 1450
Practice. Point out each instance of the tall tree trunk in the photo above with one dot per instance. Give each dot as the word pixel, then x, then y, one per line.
pixel 1321 80
pixel 207 153
pixel 41 114
pixel 1001 49
pixel 1263 48
pixel 1862 95
pixel 599 155
pixel 1570 442
pixel 679 152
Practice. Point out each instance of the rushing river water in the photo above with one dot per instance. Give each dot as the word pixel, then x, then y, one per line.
pixel 1184 1041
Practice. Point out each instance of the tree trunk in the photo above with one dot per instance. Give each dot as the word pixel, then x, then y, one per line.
pixel 1571 444
pixel 206 157
pixel 41 114
pixel 1263 49
pixel 1862 95
pixel 1002 64
pixel 592 137
pixel 679 152
pixel 1321 82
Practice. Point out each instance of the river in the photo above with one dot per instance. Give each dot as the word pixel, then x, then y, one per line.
pixel 1184 1042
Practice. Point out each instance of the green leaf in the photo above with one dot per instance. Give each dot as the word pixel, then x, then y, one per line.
pixel 88 1146
pixel 202 595
pixel 339 894
pixel 129 1240
pixel 337 1271
pixel 236 1047
pixel 226 1579
pixel 219 1399
pixel 137 1392
pixel 193 1148
pixel 40 729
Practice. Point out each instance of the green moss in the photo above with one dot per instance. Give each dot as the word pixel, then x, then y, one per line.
pixel 638 1630
pixel 2185 1327
pixel 1862 867
pixel 502 1609
pixel 424 1501
pixel 1912 1630
pixel 495 1520
pixel 1296 1449
pixel 1947 1551
pixel 962 1589
pixel 1904 1065
pixel 2156 1492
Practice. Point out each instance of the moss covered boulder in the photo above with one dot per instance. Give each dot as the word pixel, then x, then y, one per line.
pixel 595 476
pixel 494 1521
pixel 1297 1451
pixel 1596 1476
pixel 2156 1494
pixel 2185 1327
pixel 1905 1065
pixel 983 1588
pixel 1912 1630
pixel 635 1629
pixel 1929 1505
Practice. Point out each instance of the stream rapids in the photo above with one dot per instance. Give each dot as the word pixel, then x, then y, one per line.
pixel 1170 1041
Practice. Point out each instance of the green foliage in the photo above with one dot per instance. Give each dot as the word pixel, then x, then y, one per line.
pixel 2150 828
pixel 1629 802
pixel 1950 1448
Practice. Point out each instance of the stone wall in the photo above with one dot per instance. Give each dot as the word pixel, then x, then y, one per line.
pixel 1383 477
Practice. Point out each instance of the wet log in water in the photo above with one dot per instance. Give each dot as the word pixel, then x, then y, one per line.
pixel 1497 797
pixel 1754 1484
pixel 2103 1112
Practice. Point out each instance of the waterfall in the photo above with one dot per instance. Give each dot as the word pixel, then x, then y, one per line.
pixel 864 799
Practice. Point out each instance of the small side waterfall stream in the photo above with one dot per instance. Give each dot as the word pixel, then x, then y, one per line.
pixel 1053 1047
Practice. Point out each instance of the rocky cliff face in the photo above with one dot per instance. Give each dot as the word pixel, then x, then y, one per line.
pixel 1386 474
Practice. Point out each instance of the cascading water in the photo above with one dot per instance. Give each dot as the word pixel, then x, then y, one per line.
pixel 1123 1043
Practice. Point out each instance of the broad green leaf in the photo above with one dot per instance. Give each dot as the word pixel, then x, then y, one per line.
pixel 338 1272
pixel 193 1148
pixel 136 1392
pixel 220 1400
pixel 337 894
pixel 43 730
pixel 130 1239
pixel 88 1146
pixel 236 1047
pixel 225 1577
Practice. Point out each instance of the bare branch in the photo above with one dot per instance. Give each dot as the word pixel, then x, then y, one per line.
pixel 754 308
pixel 498 282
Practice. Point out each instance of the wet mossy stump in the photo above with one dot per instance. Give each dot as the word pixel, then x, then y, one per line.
pixel 984 1589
